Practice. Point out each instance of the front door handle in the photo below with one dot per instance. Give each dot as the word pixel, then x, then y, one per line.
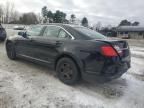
pixel 31 40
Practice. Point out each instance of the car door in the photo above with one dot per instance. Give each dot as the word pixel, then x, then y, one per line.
pixel 50 45
pixel 24 45
pixel 46 46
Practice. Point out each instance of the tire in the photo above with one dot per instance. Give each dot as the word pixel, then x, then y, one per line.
pixel 11 51
pixel 67 71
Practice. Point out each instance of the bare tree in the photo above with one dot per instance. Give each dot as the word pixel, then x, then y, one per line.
pixel 1 13
pixel 39 18
pixel 97 26
pixel 7 12
pixel 109 26
pixel 10 13
pixel 73 17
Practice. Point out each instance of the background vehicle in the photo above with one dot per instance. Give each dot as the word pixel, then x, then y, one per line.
pixel 19 28
pixel 2 33
pixel 73 51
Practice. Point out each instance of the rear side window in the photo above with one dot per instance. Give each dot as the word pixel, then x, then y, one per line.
pixel 63 35
pixel 90 33
pixel 35 31
pixel 51 32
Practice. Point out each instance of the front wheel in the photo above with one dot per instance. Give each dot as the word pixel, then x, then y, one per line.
pixel 11 51
pixel 67 71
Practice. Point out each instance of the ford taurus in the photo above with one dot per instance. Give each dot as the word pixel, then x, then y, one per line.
pixel 75 52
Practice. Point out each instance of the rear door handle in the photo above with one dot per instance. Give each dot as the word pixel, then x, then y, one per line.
pixel 58 43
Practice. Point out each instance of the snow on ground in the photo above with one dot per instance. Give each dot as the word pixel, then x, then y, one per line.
pixel 27 85
pixel 137 51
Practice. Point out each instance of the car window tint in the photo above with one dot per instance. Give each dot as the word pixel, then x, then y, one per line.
pixel 51 31
pixel 63 34
pixel 35 31
pixel 90 33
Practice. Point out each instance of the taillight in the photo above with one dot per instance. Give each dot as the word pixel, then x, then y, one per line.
pixel 108 51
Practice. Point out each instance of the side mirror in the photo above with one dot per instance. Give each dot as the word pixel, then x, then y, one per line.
pixel 23 34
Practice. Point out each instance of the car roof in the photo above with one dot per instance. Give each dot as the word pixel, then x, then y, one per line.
pixel 63 25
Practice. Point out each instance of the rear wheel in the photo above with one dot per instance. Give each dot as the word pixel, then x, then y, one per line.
pixel 67 71
pixel 11 51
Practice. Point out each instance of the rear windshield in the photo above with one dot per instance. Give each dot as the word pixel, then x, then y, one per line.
pixel 90 33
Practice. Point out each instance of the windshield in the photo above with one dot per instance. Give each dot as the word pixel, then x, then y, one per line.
pixel 90 33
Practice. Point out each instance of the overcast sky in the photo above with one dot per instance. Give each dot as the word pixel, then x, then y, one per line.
pixel 105 11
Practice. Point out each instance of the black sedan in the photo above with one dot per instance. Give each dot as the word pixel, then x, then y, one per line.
pixel 75 52
pixel 2 33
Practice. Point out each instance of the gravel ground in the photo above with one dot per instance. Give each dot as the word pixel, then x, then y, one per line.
pixel 27 85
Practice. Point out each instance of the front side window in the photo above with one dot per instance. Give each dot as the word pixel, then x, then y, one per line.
pixel 51 31
pixel 35 31
pixel 90 33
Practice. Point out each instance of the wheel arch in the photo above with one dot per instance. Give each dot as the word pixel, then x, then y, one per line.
pixel 8 41
pixel 10 50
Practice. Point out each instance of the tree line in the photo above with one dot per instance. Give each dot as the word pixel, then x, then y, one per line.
pixel 60 17
pixel 125 22
pixel 8 14
pixel 128 23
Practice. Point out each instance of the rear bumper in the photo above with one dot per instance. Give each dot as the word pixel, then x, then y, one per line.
pixel 108 73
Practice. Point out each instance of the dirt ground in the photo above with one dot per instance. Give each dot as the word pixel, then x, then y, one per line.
pixel 27 85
